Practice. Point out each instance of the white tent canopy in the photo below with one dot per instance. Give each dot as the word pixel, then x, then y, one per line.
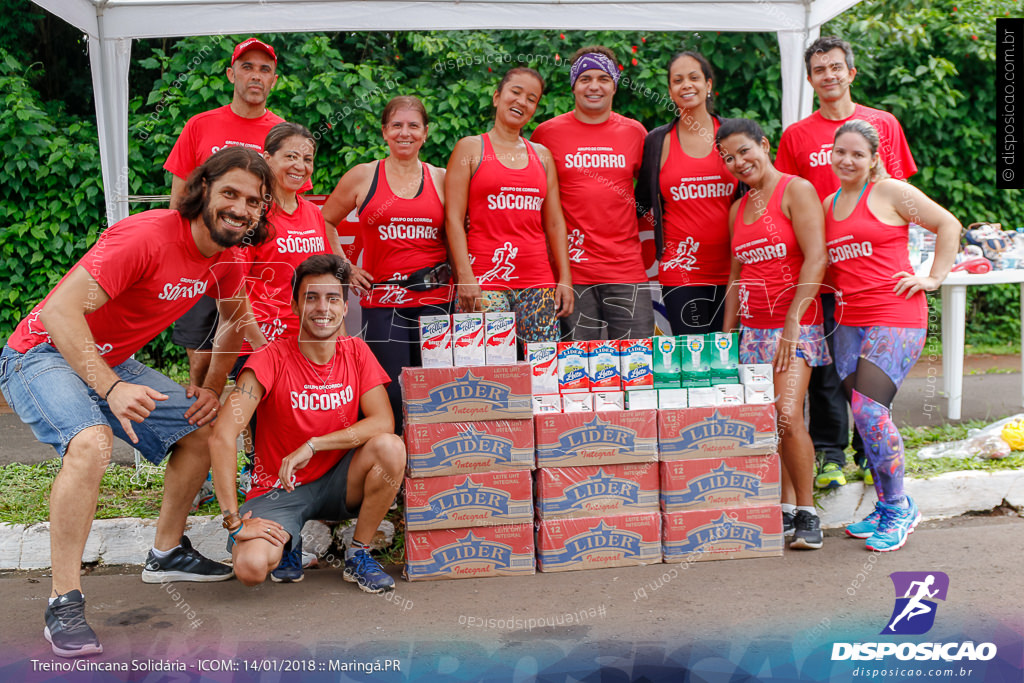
pixel 112 24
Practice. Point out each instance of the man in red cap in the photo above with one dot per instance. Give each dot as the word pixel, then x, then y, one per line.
pixel 243 123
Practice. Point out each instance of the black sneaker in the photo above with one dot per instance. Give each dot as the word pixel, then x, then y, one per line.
pixel 185 563
pixel 806 531
pixel 66 630
pixel 289 570
pixel 787 525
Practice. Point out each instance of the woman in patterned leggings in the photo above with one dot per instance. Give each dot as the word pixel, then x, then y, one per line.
pixel 881 311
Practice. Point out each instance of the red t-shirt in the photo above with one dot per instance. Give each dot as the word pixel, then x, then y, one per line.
pixel 401 236
pixel 212 130
pixel 597 164
pixel 302 399
pixel 863 255
pixel 296 237
pixel 806 148
pixel 149 266
pixel 696 195
pixel 771 258
pixel 508 247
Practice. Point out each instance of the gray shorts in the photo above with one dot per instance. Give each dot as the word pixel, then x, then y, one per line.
pixel 610 311
pixel 320 499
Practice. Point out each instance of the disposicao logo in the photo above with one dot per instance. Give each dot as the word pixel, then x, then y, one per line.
pixel 914 614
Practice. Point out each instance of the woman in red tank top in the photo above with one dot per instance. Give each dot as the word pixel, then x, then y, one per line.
pixel 881 311
pixel 687 189
pixel 778 242
pixel 400 202
pixel 504 221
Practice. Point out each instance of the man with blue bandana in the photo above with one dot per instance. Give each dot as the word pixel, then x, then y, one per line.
pixel 598 155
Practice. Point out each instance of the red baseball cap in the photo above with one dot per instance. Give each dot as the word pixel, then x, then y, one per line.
pixel 252 44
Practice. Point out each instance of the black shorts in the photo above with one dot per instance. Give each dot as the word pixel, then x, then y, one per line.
pixel 320 499
pixel 195 329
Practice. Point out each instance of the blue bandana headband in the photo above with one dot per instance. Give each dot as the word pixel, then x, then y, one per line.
pixel 593 60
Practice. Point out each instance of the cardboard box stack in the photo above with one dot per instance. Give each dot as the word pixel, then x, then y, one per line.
pixel 596 486
pixel 469 435
pixel 719 471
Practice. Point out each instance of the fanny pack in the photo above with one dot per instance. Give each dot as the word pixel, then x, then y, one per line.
pixel 424 279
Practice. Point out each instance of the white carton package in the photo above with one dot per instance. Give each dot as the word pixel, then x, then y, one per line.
pixel 756 374
pixel 577 403
pixel 500 338
pixel 642 399
pixel 673 398
pixel 436 341
pixel 729 394
pixel 609 400
pixel 758 394
pixel 543 360
pixel 468 339
pixel 699 397
pixel 547 403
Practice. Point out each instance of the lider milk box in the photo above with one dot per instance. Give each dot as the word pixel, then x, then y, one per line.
pixel 506 550
pixel 716 431
pixel 482 392
pixel 636 359
pixel 606 438
pixel 722 534
pixel 500 338
pixel 603 362
pixel 740 481
pixel 573 367
pixel 450 448
pixel 468 338
pixel 467 500
pixel 597 542
pixel 435 341
pixel 590 491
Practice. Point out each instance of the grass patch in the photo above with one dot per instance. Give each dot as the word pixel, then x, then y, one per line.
pixel 1011 349
pixel 916 437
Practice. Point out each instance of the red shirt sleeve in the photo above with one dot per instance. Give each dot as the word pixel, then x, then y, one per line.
pixel 182 159
pixel 116 262
pixel 784 160
pixel 266 363
pixel 371 374
pixel 898 159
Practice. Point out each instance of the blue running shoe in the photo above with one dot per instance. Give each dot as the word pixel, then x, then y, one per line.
pixel 289 570
pixel 867 526
pixel 362 569
pixel 894 527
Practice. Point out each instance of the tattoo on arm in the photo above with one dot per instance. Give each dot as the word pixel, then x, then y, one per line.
pixel 245 390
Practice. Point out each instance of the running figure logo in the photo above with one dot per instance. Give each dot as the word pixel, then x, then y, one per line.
pixel 744 293
pixel 576 247
pixel 914 611
pixel 685 257
pixel 503 266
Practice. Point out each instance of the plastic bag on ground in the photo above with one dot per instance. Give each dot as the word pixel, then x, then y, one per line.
pixel 981 443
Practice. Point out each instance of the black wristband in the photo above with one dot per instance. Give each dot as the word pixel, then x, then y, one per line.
pixel 215 392
pixel 107 395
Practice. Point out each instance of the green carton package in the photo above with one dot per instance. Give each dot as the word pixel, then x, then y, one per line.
pixel 725 357
pixel 667 363
pixel 695 370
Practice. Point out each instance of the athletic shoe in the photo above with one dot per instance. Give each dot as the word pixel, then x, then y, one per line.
pixel 361 568
pixel 865 469
pixel 867 526
pixel 894 527
pixel 290 568
pixel 66 630
pixel 869 478
pixel 205 494
pixel 185 563
pixel 830 477
pixel 787 525
pixel 807 531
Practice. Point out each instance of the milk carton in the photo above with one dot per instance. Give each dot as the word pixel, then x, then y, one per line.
pixel 547 403
pixel 543 360
pixel 755 394
pixel 672 398
pixel 644 399
pixel 722 534
pixel 667 362
pixel 506 550
pixel 728 394
pixel 577 403
pixel 725 357
pixel 573 368
pixel 609 400
pixel 500 338
pixel 636 358
pixel 603 363
pixel 596 542
pixel 436 341
pixel 468 338
pixel 701 396
pixel 757 375
pixel 695 366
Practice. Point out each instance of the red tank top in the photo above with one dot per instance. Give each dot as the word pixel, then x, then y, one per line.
pixel 771 259
pixel 696 194
pixel 863 255
pixel 401 236
pixel 507 244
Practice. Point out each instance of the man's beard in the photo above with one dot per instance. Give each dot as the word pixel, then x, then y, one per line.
pixel 222 237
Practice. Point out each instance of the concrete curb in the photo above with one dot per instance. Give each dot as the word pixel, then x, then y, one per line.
pixel 127 540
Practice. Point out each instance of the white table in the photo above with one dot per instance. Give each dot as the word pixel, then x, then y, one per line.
pixel 954 313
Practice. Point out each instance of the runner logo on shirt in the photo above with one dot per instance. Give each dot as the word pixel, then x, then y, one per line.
pixel 393 295
pixel 685 257
pixel 744 302
pixel 576 246
pixel 503 265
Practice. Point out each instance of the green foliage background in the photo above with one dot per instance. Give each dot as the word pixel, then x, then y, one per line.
pixel 932 66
